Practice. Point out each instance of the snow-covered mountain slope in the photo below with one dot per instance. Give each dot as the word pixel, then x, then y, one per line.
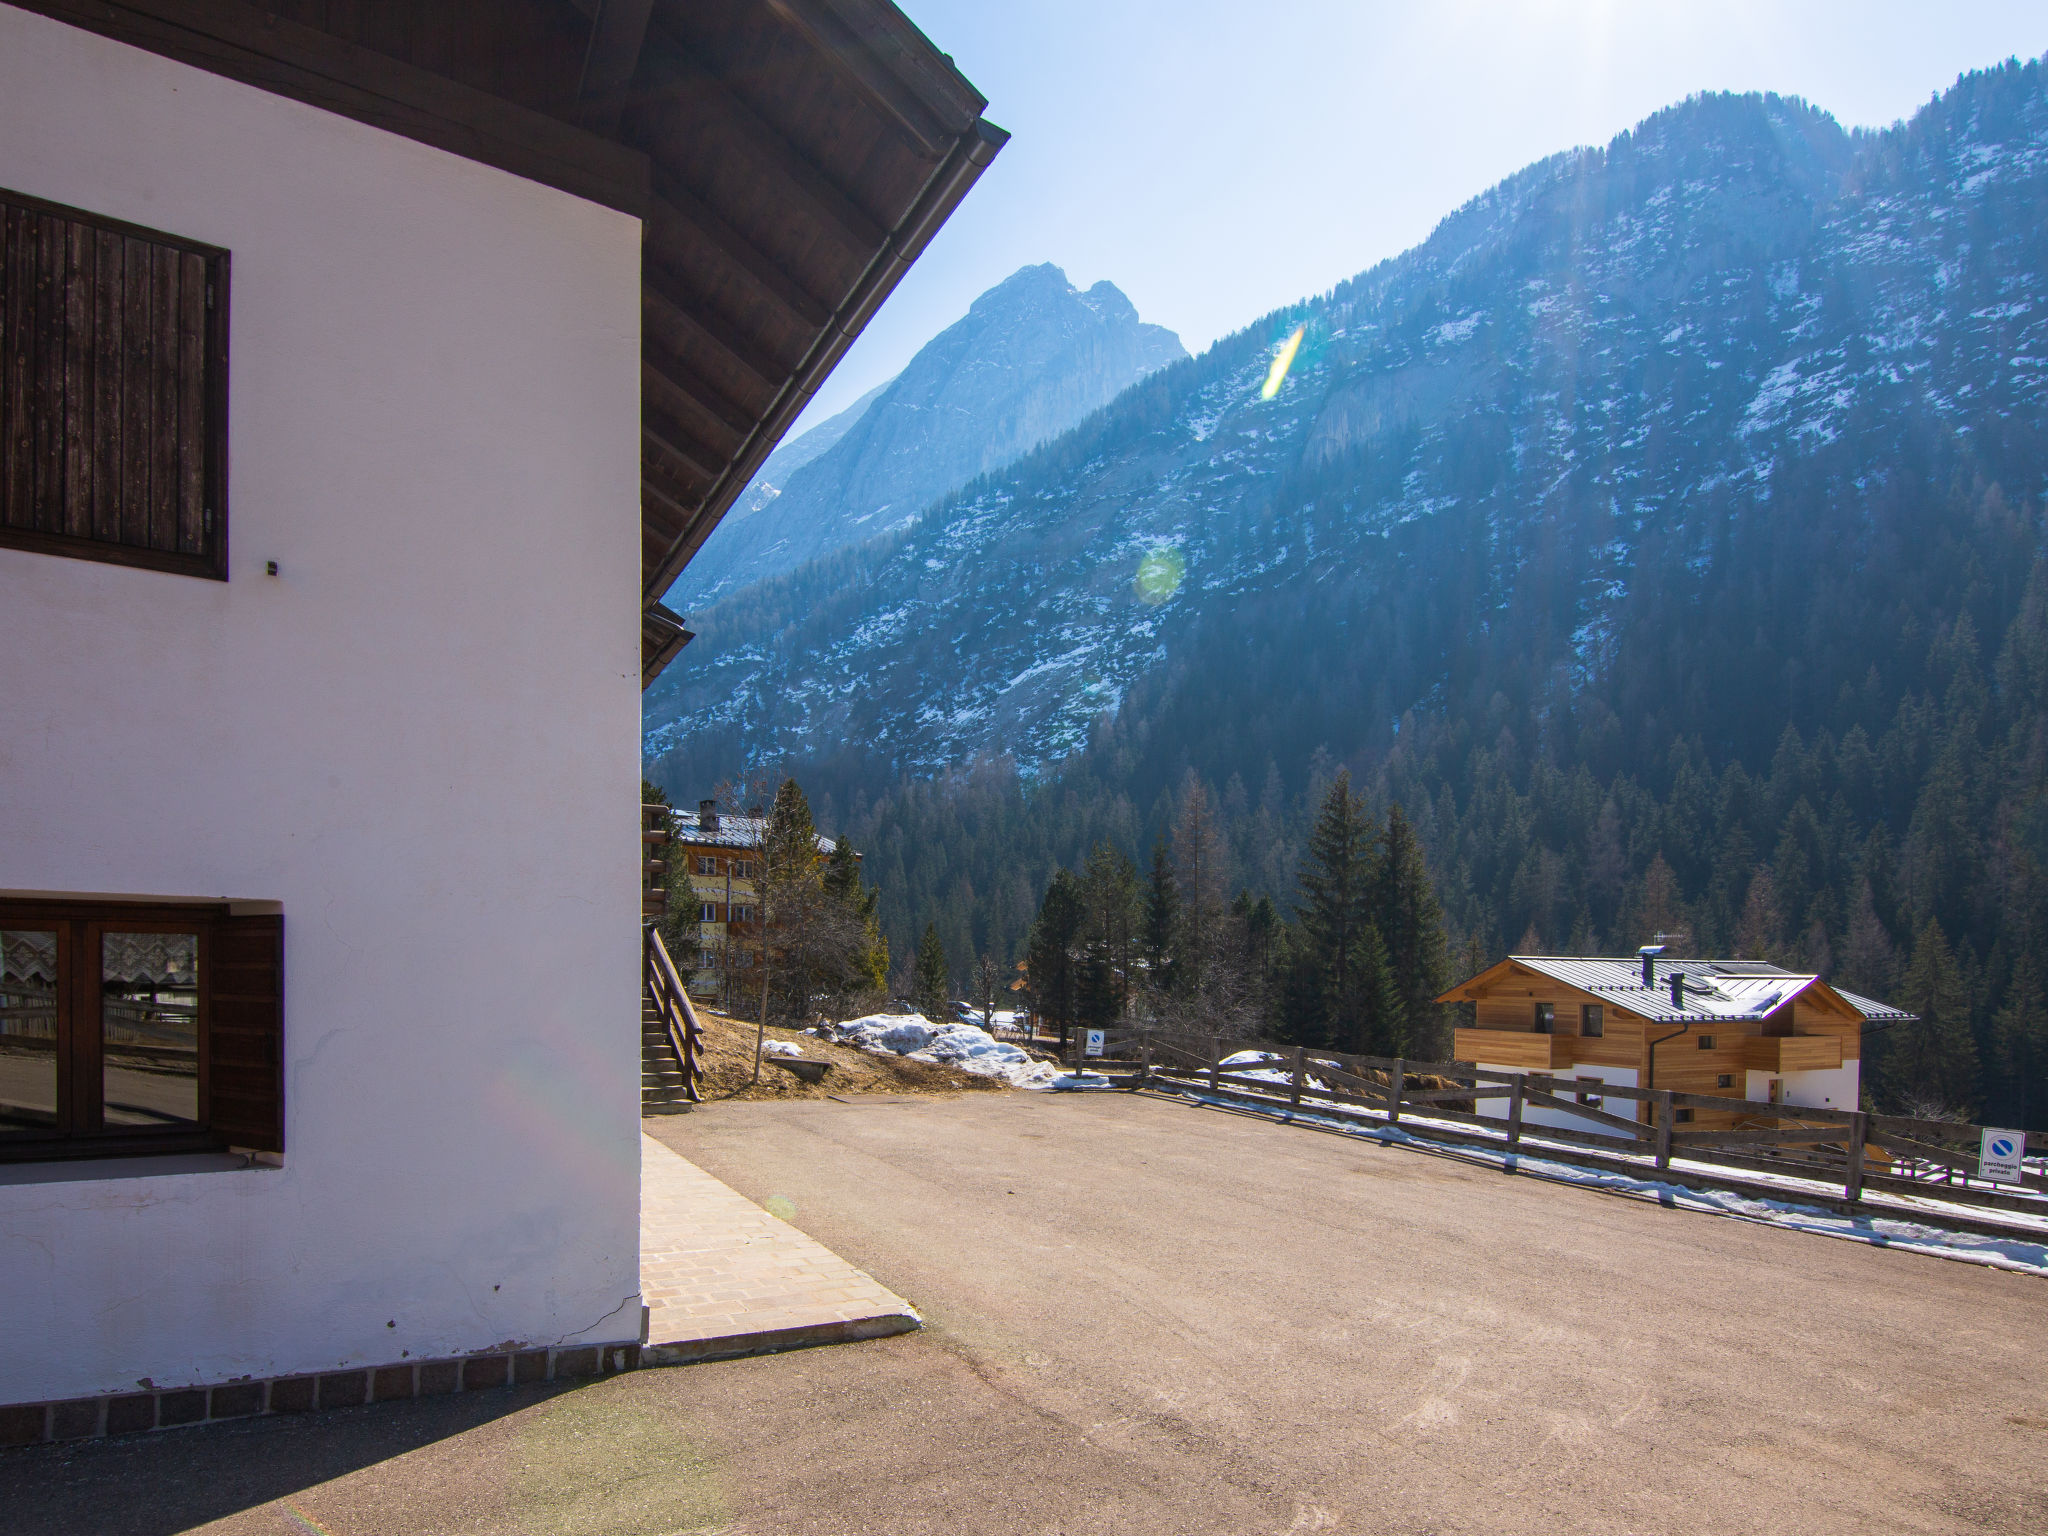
pixel 1031 357
pixel 1513 460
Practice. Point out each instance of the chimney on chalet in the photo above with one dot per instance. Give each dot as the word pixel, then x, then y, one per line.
pixel 707 815
pixel 1678 989
pixel 1648 954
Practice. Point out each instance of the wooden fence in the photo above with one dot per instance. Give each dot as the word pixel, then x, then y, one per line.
pixel 1863 1153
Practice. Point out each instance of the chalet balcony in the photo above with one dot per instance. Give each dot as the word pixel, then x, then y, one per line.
pixel 1521 1049
pixel 1792 1053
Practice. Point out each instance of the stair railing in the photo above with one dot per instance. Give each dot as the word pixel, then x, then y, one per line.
pixel 672 1002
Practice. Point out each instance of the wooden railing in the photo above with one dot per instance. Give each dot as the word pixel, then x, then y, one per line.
pixel 672 1002
pixel 1891 1155
pixel 654 839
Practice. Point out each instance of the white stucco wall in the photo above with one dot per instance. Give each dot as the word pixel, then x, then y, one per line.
pixel 420 740
pixel 1543 1114
pixel 1834 1088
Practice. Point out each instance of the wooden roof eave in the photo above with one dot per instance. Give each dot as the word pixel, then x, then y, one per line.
pixel 726 368
pixel 950 182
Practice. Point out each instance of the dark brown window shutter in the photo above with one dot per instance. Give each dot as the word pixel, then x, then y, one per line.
pixel 113 390
pixel 245 1037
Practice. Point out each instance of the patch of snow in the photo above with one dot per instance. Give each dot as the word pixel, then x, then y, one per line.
pixel 1460 329
pixel 1880 1231
pixel 968 1047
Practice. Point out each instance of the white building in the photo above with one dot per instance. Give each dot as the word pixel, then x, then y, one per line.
pixel 359 395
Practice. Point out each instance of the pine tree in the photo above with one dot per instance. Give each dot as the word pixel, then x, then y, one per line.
pixel 1869 959
pixel 1658 909
pixel 933 979
pixel 1198 872
pixel 1357 1006
pixel 1162 919
pixel 1050 958
pixel 1411 924
pixel 1930 1063
pixel 1097 1001
pixel 2020 1044
pixel 1760 931
pixel 1109 884
pixel 867 968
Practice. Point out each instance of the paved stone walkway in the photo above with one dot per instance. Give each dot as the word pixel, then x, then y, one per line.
pixel 721 1276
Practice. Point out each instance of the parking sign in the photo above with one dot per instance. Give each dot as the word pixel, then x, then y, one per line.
pixel 1999 1157
pixel 1094 1043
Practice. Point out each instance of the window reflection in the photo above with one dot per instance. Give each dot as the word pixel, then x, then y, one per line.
pixel 28 1031
pixel 149 1020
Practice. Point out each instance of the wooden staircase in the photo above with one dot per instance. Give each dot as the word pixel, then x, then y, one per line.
pixel 671 1040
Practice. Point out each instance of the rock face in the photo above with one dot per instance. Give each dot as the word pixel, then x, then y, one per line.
pixel 1032 358
pixel 1690 434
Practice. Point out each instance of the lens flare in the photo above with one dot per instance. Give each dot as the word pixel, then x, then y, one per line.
pixel 1159 574
pixel 1283 359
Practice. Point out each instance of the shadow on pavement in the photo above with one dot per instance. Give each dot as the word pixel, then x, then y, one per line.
pixel 172 1480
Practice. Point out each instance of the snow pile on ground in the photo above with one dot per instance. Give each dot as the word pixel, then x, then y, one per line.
pixel 2012 1253
pixel 1265 1067
pixel 781 1048
pixel 965 1046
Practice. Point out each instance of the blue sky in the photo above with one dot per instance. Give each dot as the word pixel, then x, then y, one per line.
pixel 1216 160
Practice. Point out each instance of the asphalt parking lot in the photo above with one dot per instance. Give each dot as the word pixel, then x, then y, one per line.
pixel 1149 1317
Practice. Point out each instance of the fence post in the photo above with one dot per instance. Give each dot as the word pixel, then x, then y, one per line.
pixel 1294 1099
pixel 1397 1084
pixel 1215 1061
pixel 1664 1113
pixel 1515 1113
pixel 1146 1041
pixel 1852 1186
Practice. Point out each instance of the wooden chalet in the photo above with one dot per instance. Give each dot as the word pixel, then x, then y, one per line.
pixel 1734 1028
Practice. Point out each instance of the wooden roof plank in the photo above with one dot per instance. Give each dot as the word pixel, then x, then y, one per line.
pixel 671 200
pixel 245 42
pixel 675 312
pixel 709 421
pixel 673 71
pixel 849 54
pixel 618 28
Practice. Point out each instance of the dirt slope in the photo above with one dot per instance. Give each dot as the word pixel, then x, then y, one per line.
pixel 729 1068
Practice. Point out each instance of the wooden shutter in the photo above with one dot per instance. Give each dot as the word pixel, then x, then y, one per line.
pixel 245 1033
pixel 113 390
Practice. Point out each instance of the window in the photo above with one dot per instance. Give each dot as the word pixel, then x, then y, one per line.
pixel 1589 1092
pixel 741 914
pixel 1682 1116
pixel 1725 1080
pixel 706 865
pixel 113 391
pixel 1592 1020
pixel 707 912
pixel 1706 1042
pixel 1546 1018
pixel 134 1029
pixel 743 869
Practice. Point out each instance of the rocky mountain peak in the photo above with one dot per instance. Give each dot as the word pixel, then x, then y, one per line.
pixel 1031 357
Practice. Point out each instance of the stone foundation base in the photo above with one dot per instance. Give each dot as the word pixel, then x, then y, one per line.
pixel 128 1413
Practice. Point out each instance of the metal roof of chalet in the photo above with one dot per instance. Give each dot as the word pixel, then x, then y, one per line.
pixel 789 159
pixel 731 832
pixel 1732 990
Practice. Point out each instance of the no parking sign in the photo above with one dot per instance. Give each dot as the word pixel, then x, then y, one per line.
pixel 1999 1157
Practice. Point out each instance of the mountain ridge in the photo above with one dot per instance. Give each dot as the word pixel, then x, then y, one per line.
pixel 1031 356
pixel 1664 533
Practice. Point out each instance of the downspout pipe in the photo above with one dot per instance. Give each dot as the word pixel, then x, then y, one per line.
pixel 1682 1029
